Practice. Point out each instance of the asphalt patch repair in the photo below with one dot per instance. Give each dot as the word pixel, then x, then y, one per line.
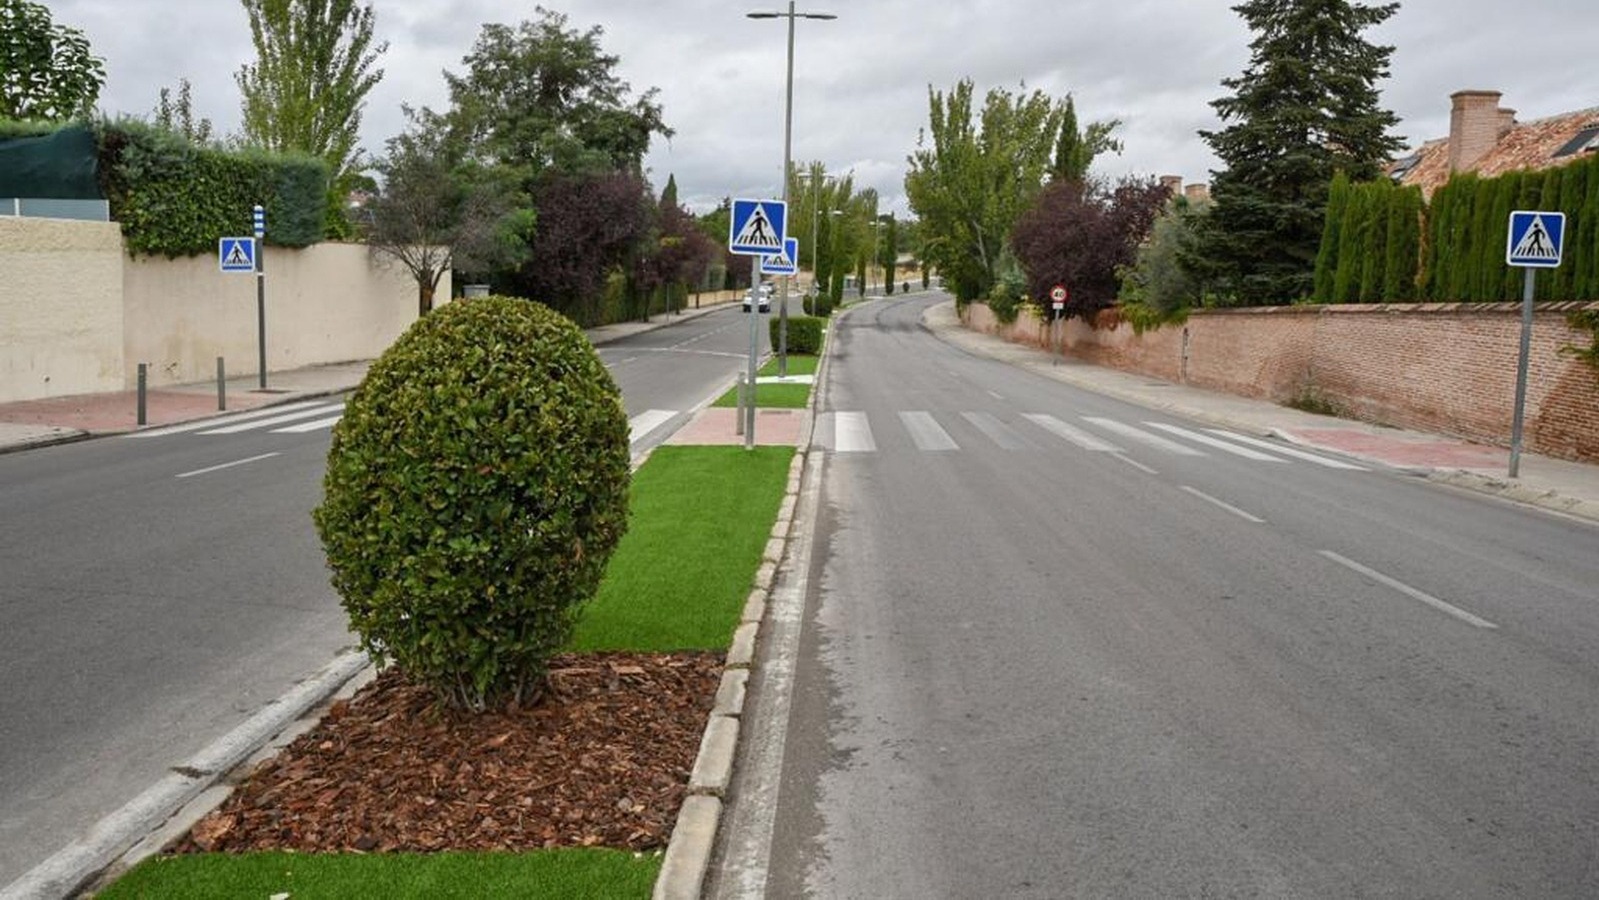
pixel 603 760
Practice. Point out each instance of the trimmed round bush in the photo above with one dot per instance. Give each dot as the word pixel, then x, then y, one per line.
pixel 476 486
pixel 819 306
pixel 804 334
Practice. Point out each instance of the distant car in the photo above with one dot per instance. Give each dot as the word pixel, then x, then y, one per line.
pixel 765 304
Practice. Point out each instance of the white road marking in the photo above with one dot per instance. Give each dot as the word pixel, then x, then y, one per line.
pixel 1290 451
pixel 276 420
pixel 1135 464
pixel 997 396
pixel 997 431
pixel 852 433
pixel 926 432
pixel 1143 437
pixel 305 427
pixel 1409 591
pixel 1224 505
pixel 1071 433
pixel 1219 444
pixel 237 462
pixel 211 423
pixel 645 422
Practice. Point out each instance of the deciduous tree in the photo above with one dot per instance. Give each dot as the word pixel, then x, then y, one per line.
pixel 46 69
pixel 1080 233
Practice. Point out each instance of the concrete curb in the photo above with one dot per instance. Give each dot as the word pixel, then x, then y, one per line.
pixel 113 837
pixel 693 840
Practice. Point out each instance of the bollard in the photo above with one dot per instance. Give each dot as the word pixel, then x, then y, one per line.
pixel 739 428
pixel 143 367
pixel 222 386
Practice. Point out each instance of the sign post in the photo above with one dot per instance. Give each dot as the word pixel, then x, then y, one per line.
pixel 1534 243
pixel 756 229
pixel 1057 300
pixel 260 289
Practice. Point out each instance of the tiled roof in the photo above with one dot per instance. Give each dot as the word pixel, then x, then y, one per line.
pixel 1527 145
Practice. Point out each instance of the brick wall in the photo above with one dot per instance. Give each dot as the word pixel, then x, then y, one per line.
pixel 1445 368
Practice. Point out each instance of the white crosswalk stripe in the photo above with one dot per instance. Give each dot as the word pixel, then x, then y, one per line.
pixel 313 425
pixel 1071 433
pixel 1144 437
pixel 1218 443
pixel 276 420
pixel 851 432
pixel 925 431
pixel 212 423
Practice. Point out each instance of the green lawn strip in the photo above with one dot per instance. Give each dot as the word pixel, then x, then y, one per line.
pixel 348 876
pixel 797 365
pixel 701 517
pixel 772 396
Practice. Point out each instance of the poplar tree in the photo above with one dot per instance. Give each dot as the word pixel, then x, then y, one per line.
pixel 308 85
pixel 1306 107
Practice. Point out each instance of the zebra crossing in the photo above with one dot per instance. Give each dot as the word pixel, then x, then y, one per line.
pixel 308 416
pixel 851 432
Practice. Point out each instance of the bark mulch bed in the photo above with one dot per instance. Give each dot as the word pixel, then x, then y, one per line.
pixel 602 761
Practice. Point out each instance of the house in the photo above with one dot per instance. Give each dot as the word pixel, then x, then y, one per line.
pixel 1486 138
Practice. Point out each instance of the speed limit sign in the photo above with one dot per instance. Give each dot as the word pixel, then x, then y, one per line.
pixel 1058 295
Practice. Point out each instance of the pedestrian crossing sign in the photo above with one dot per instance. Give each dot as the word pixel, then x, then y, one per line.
pixel 236 254
pixel 757 227
pixel 1535 239
pixel 784 263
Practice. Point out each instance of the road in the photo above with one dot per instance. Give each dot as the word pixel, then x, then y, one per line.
pixel 1053 645
pixel 162 587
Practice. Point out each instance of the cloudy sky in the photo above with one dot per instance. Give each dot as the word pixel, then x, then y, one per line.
pixel 861 81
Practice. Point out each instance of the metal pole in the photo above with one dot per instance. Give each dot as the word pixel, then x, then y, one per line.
pixel 755 319
pixel 1528 284
pixel 260 290
pixel 738 426
pixel 788 143
pixel 143 372
pixel 222 386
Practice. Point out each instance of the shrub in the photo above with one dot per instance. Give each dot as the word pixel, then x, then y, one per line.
pixel 804 334
pixel 818 306
pixel 475 488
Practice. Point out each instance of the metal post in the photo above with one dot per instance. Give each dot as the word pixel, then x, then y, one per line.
pixel 260 289
pixel 143 367
pixel 738 427
pixel 755 319
pixel 1529 283
pixel 222 386
pixel 788 143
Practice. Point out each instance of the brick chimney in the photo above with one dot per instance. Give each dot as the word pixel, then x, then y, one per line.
pixel 1475 123
pixel 1173 184
pixel 1197 193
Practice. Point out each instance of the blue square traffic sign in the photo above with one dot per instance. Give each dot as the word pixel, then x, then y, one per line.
pixel 785 263
pixel 757 227
pixel 236 254
pixel 1535 239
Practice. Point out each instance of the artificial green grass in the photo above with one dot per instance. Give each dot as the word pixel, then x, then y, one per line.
pixel 797 365
pixel 772 396
pixel 700 519
pixel 597 874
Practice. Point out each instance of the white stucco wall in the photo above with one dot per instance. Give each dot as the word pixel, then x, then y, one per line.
pixel 60 308
pixel 326 303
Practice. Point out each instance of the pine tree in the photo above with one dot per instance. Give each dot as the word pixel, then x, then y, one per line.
pixel 1304 108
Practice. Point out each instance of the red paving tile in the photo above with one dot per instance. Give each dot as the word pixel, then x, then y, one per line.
pixel 1398 451
pixel 111 413
pixel 719 425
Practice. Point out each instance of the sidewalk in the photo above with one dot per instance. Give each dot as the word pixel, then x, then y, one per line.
pixel 1567 487
pixel 55 420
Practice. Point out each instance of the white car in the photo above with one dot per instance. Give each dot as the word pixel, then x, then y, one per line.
pixel 765 303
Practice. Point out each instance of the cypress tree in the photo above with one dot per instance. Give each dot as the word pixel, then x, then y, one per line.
pixel 1373 232
pixel 1517 190
pixel 1573 184
pixel 1586 277
pixel 1346 277
pixel 1436 262
pixel 1404 245
pixel 1304 108
pixel 1331 232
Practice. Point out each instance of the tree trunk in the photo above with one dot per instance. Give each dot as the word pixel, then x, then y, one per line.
pixel 424 298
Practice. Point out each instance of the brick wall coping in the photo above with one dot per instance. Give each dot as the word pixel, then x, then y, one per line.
pixel 1336 309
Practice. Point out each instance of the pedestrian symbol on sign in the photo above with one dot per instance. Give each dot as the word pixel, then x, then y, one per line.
pixel 236 254
pixel 1535 239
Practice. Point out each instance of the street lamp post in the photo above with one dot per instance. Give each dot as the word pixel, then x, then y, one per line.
pixel 816 179
pixel 788 143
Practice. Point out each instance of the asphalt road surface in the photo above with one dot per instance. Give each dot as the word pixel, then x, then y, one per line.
pixel 161 588
pixel 1053 645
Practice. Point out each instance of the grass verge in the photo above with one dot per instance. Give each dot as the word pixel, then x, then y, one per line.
pixel 771 396
pixel 797 365
pixel 554 873
pixel 700 518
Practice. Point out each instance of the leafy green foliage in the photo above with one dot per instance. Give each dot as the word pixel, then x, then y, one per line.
pixel 804 333
pixel 970 180
pixel 1080 234
pixel 818 305
pixel 177 114
pixel 1305 108
pixel 1157 282
pixel 476 486
pixel 1584 320
pixel 175 199
pixel 46 70
pixel 312 73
